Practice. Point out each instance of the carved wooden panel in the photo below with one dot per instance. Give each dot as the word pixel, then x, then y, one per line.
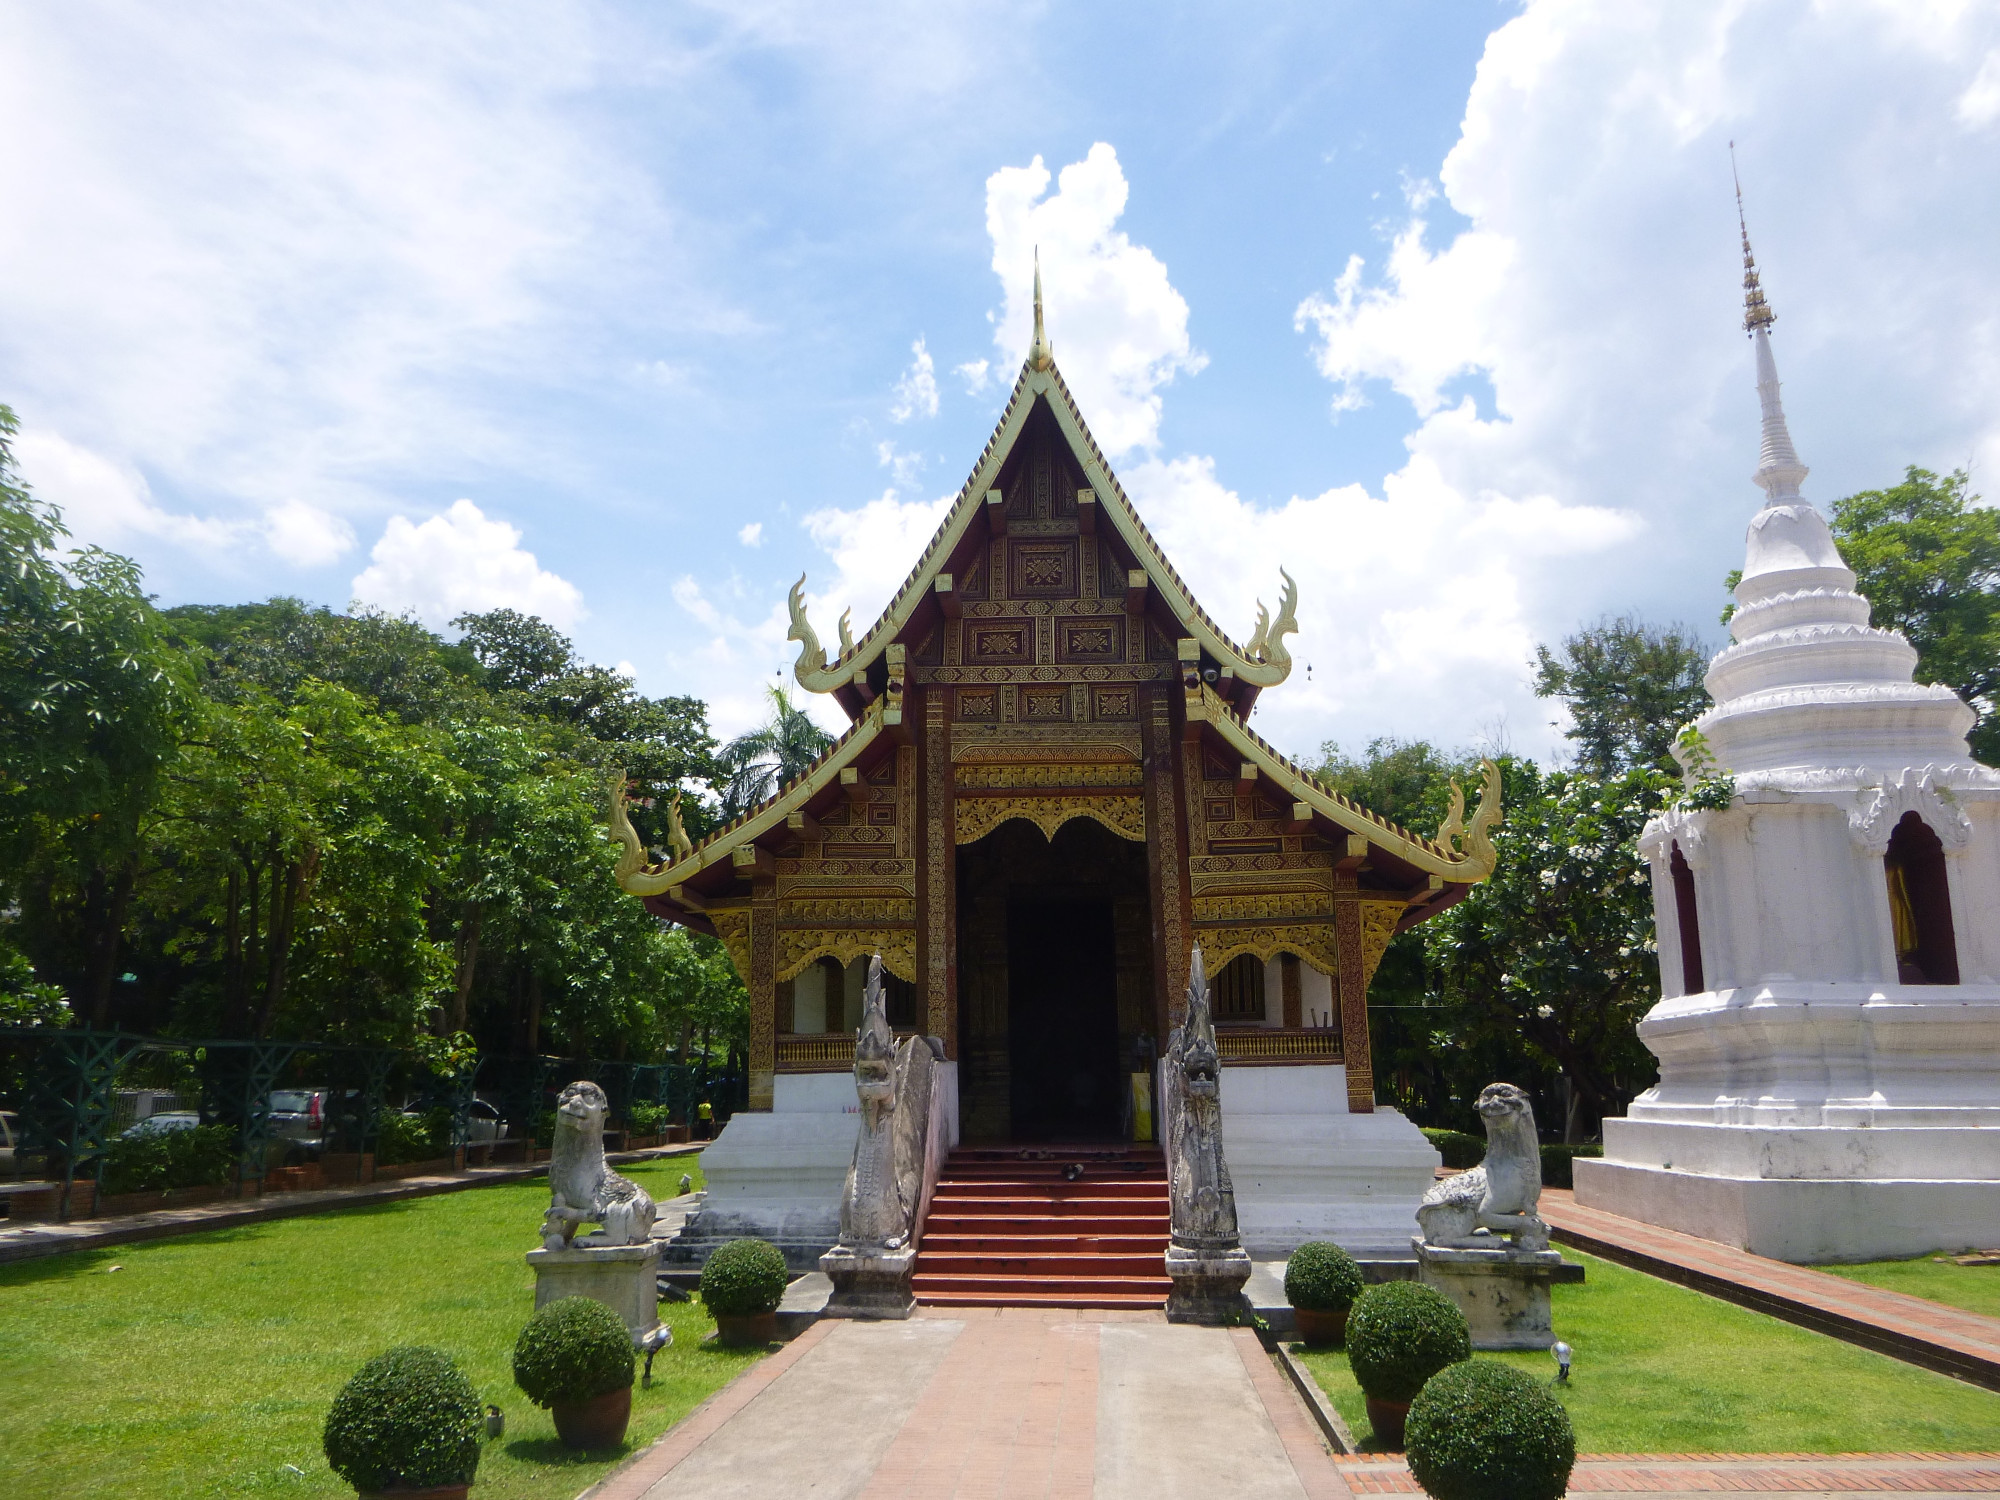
pixel 979 705
pixel 979 816
pixel 1007 642
pixel 1043 569
pixel 1098 639
pixel 1044 705
pixel 1114 703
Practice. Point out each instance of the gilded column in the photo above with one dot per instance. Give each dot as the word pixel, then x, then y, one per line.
pixel 937 877
pixel 763 993
pixel 1353 982
pixel 1166 861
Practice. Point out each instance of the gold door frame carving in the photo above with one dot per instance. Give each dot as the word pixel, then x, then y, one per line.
pixel 979 816
pixel 799 948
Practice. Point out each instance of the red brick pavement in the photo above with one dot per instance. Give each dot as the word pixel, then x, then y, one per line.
pixel 1012 1412
pixel 1958 1343
pixel 653 1464
pixel 1732 1474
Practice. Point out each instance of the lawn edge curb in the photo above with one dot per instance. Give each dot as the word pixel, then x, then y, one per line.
pixel 1331 1424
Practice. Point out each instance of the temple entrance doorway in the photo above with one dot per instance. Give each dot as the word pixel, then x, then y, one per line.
pixel 1055 983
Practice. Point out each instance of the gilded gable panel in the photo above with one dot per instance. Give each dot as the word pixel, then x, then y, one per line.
pixel 1099 638
pixel 1042 568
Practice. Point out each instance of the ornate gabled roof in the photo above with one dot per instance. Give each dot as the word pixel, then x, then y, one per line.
pixel 1263 662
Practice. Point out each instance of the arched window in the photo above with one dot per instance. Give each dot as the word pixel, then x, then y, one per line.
pixel 1239 990
pixel 1920 904
pixel 1692 980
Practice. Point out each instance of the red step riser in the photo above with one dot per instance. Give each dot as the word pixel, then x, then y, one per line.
pixel 1055 1269
pixel 1047 1244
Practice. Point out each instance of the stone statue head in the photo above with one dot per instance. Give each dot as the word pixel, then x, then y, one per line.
pixel 1501 1104
pixel 583 1102
pixel 1200 1064
pixel 875 1051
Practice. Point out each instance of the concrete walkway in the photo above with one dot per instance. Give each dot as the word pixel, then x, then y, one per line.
pixel 1682 1476
pixel 1958 1343
pixel 1020 1403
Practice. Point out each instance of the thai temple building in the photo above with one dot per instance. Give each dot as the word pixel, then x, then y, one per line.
pixel 1829 1028
pixel 1048 794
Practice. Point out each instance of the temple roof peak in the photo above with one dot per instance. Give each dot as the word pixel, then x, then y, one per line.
pixel 1040 357
pixel 1779 472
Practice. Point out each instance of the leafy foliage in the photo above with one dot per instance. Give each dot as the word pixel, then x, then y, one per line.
pixel 155 1161
pixel 403 1138
pixel 1629 687
pixel 1482 1430
pixel 1558 1163
pixel 1321 1278
pixel 1927 555
pixel 572 1349
pixel 408 1419
pixel 744 1279
pixel 755 765
pixel 1400 1334
pixel 1458 1148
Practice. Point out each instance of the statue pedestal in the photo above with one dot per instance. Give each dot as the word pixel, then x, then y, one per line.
pixel 869 1283
pixel 1504 1294
pixel 1207 1285
pixel 625 1278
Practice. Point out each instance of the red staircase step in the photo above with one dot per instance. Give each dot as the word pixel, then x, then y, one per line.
pixel 1008 1229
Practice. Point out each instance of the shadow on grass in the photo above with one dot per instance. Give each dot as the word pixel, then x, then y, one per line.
pixel 550 1453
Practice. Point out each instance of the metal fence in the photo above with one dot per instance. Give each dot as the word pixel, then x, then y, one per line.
pixel 70 1090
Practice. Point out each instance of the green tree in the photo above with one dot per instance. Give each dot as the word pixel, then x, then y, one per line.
pixel 1556 949
pixel 1629 687
pixel 754 766
pixel 1927 555
pixel 91 699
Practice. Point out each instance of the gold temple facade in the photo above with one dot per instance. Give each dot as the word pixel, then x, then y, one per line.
pixel 1048 792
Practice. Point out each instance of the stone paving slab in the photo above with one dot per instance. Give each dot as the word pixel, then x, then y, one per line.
pixel 1847 1476
pixel 32 1241
pixel 1034 1403
pixel 1947 1339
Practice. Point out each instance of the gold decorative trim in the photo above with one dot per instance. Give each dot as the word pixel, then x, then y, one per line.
pixel 832 1053
pixel 1262 906
pixel 1051 773
pixel 1312 941
pixel 1378 926
pixel 897 945
pixel 1270 1045
pixel 979 816
pixel 732 925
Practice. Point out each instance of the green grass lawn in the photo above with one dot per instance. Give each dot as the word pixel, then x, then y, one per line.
pixel 204 1365
pixel 1970 1288
pixel 1662 1369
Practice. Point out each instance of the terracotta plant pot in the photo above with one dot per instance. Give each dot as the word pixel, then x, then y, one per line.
pixel 1317 1325
pixel 1387 1418
pixel 752 1332
pixel 597 1423
pixel 435 1492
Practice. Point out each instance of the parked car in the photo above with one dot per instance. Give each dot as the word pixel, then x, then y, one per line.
pixel 483 1123
pixel 10 1141
pixel 160 1124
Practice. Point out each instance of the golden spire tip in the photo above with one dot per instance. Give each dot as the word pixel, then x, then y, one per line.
pixel 1756 311
pixel 1039 355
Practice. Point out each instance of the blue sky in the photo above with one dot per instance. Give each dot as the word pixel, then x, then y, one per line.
pixel 614 312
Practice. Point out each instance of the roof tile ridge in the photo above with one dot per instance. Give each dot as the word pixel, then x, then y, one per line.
pixel 1335 795
pixel 1132 510
pixel 923 558
pixel 784 788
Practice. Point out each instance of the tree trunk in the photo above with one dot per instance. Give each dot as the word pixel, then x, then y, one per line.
pixel 287 896
pixel 108 925
pixel 534 1009
pixel 468 962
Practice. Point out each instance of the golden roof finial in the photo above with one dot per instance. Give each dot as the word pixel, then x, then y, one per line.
pixel 1756 311
pixel 1039 356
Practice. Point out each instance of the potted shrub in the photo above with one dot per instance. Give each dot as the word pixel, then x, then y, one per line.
pixel 1321 1283
pixel 407 1425
pixel 1399 1335
pixel 575 1358
pixel 741 1286
pixel 1482 1430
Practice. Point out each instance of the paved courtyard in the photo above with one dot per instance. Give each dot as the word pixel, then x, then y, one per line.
pixel 1018 1403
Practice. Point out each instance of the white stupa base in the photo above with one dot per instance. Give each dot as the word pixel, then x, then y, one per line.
pixel 1305 1169
pixel 1807 1221
pixel 778 1175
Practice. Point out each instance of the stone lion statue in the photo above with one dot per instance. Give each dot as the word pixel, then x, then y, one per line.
pixel 582 1189
pixel 1498 1197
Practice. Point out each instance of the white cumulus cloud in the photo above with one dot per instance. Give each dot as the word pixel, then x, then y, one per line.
pixel 305 535
pixel 917 391
pixel 1118 327
pixel 462 562
pixel 752 535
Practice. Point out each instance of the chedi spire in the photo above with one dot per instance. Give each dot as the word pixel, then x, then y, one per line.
pixel 1779 472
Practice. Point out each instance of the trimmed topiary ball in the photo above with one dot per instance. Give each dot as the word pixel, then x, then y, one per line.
pixel 408 1419
pixel 1482 1430
pixel 1322 1278
pixel 1400 1334
pixel 572 1349
pixel 744 1279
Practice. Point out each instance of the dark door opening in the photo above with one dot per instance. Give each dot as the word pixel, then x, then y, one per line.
pixel 1062 1008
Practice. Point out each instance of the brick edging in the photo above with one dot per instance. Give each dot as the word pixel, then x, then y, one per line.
pixel 1333 1427
pixel 1911 1348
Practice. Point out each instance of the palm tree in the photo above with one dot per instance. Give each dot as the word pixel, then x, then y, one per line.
pixel 756 764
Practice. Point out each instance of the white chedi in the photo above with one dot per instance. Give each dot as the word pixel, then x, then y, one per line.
pixel 1829 1028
